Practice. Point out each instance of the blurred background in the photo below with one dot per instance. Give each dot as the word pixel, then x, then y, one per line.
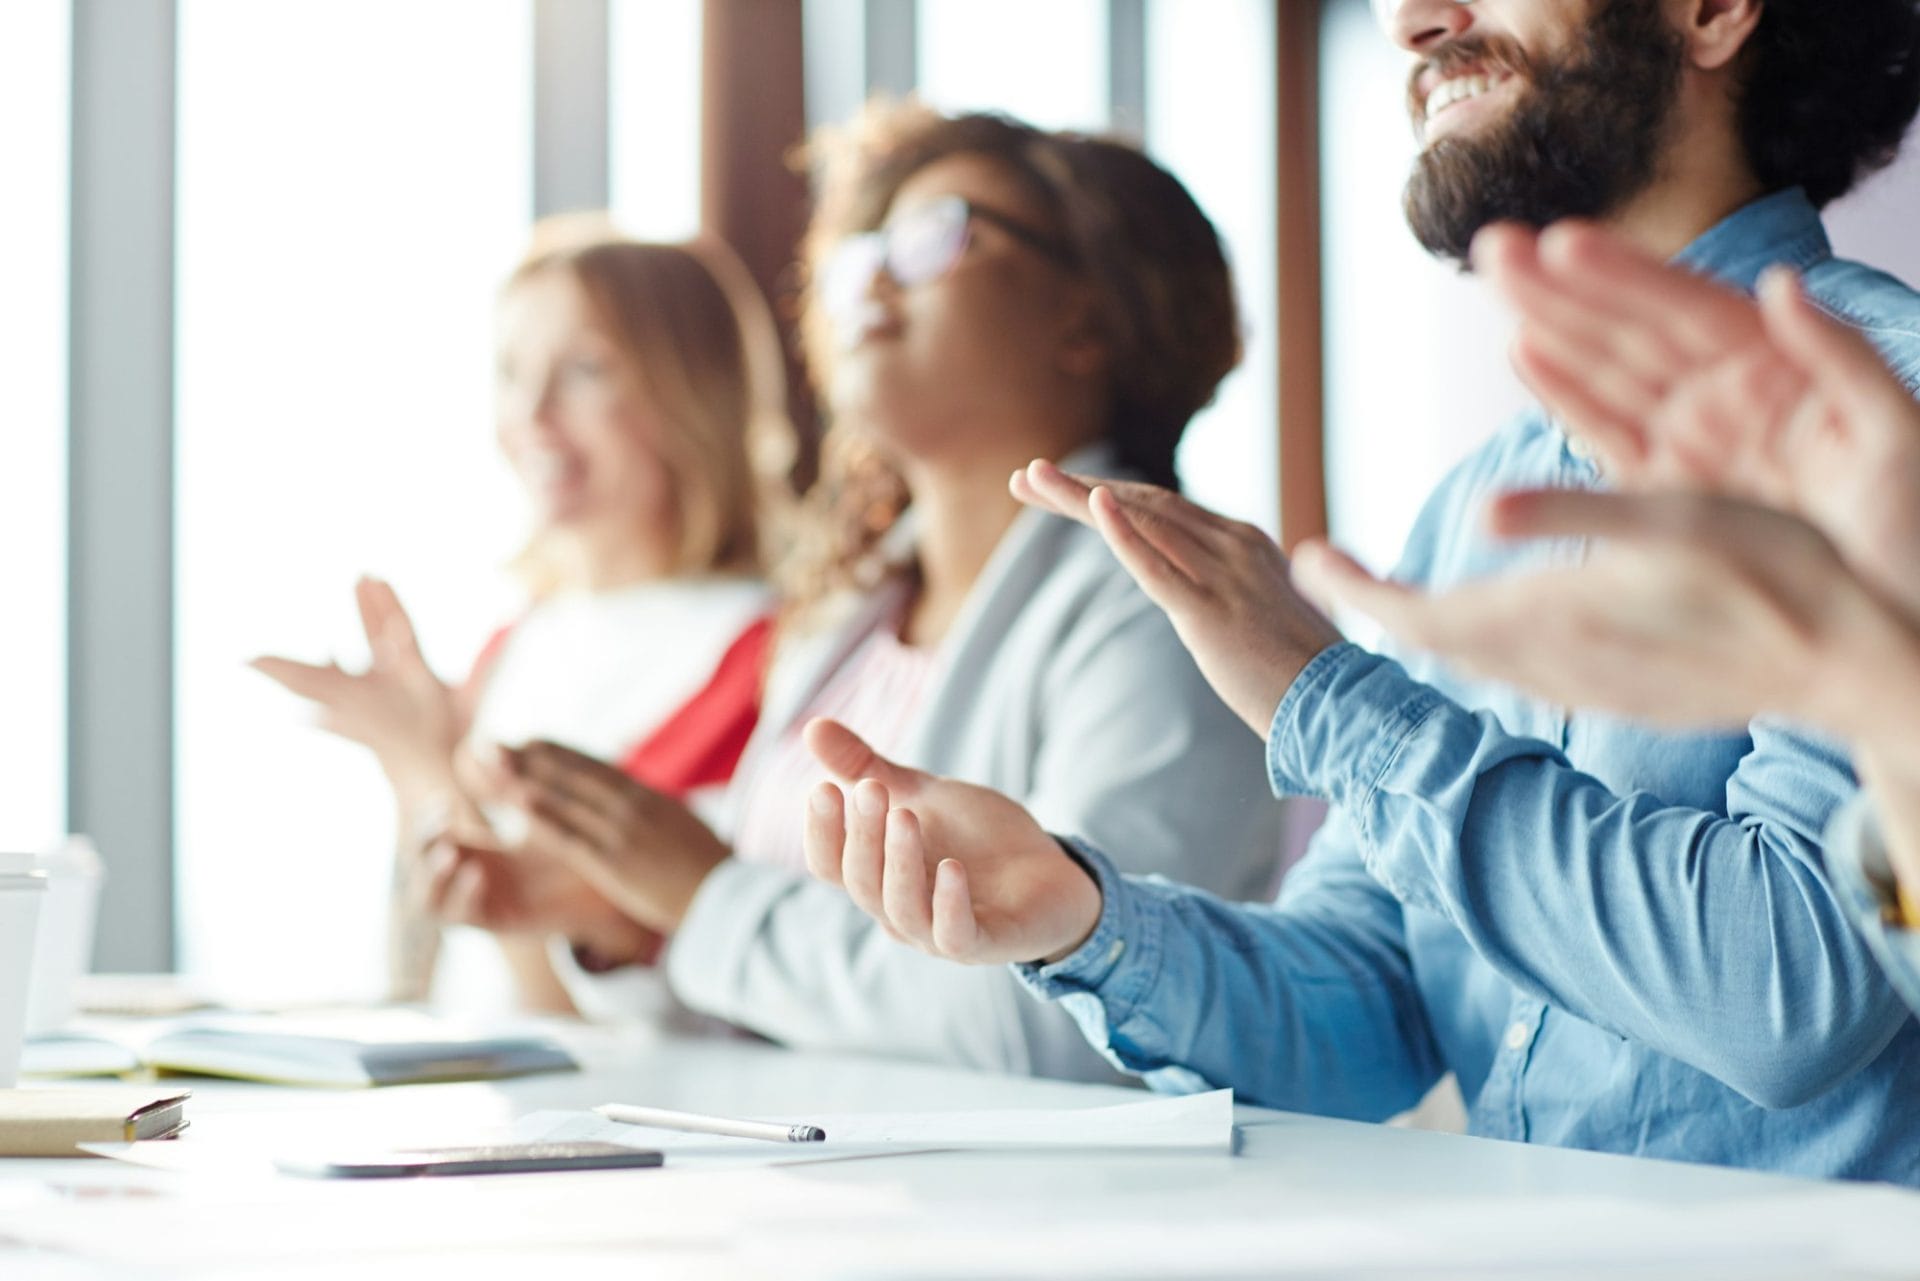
pixel 250 250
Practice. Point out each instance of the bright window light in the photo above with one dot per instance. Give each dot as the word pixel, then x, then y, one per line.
pixel 1043 62
pixel 1416 352
pixel 1210 119
pixel 654 109
pixel 35 80
pixel 353 183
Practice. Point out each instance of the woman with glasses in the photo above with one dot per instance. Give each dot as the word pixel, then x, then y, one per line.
pixel 979 293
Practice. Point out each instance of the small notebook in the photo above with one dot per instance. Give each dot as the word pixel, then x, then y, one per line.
pixel 347 1053
pixel 286 1058
pixel 54 1122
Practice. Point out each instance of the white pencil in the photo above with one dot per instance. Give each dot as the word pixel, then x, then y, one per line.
pixel 661 1119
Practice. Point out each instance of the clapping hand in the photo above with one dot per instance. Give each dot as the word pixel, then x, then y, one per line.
pixel 644 852
pixel 1223 583
pixel 1677 382
pixel 1691 609
pixel 397 707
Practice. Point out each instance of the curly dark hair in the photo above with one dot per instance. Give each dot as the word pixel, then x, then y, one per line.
pixel 1163 288
pixel 1829 91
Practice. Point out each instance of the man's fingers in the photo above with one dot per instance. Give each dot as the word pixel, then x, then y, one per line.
pixel 1682 316
pixel 1503 248
pixel 1576 326
pixel 906 892
pixel 1837 358
pixel 1612 429
pixel 1635 518
pixel 1319 569
pixel 1041 484
pixel 956 931
pixel 1152 506
pixel 1168 582
pixel 1332 578
pixel 825 834
pixel 1562 513
pixel 848 757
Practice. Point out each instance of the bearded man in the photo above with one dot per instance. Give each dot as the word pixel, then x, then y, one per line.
pixel 1616 938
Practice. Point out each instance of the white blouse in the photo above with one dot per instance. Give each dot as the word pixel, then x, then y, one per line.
pixel 597 672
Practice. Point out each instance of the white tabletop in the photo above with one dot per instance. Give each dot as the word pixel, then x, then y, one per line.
pixel 1304 1196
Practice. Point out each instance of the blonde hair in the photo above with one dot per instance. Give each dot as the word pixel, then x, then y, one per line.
pixel 702 338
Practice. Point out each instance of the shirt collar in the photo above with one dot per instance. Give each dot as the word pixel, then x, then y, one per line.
pixel 1783 228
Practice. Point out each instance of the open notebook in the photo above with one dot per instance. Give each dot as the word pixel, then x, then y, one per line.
pixel 382 1048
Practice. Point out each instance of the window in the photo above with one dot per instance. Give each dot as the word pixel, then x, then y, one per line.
pixel 1210 120
pixel 654 110
pixel 1416 352
pixel 353 182
pixel 1045 63
pixel 35 82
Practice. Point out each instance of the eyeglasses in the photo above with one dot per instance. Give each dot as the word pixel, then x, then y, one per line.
pixel 1387 10
pixel 917 245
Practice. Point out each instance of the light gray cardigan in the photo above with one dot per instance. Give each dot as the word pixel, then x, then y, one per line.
pixel 1060 685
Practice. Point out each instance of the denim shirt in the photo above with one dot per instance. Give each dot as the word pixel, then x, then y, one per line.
pixel 1616 938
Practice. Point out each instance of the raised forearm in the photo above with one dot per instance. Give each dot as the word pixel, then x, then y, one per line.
pixel 1712 937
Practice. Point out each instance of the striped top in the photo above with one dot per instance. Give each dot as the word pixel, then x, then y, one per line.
pixel 877 693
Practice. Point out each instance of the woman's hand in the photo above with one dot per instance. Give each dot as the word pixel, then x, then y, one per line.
pixel 955 870
pixel 397 707
pixel 646 853
pixel 1678 382
pixel 1224 584
pixel 526 893
pixel 1690 609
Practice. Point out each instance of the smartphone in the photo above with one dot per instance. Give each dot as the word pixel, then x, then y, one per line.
pixel 499 1158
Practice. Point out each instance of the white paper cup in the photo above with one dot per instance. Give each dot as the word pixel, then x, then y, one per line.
pixel 64 954
pixel 21 894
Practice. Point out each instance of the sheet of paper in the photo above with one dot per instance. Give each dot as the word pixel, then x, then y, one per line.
pixel 1192 1123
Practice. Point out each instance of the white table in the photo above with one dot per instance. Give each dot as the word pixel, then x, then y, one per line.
pixel 1305 1196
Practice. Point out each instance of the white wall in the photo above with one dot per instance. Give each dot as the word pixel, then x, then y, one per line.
pixel 1880 222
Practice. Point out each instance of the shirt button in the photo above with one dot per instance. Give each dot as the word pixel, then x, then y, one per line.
pixel 1113 953
pixel 1518 1035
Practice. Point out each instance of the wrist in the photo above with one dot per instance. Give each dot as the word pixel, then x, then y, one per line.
pixel 613 943
pixel 1868 685
pixel 1095 903
pixel 670 897
pixel 421 785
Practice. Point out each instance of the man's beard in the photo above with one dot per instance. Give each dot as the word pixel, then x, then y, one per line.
pixel 1585 137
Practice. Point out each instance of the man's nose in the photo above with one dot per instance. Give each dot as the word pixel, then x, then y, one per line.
pixel 1418 25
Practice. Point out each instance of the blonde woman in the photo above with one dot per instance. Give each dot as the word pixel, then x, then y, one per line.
pixel 635 383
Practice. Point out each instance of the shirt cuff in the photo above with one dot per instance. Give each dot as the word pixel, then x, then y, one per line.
pixel 1340 724
pixel 1120 961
